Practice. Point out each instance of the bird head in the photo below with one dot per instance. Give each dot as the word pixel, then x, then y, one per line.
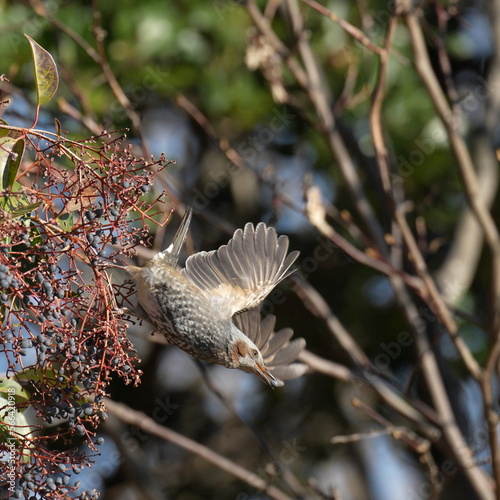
pixel 245 356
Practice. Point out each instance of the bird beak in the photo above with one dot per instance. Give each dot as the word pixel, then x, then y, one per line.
pixel 265 375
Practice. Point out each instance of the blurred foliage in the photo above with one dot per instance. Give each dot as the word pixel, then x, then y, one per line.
pixel 158 48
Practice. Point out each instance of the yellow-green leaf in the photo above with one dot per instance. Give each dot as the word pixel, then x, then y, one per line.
pixel 18 203
pixel 14 423
pixel 36 374
pixel 3 131
pixel 46 76
pixel 11 154
pixel 9 387
pixel 24 209
pixel 66 221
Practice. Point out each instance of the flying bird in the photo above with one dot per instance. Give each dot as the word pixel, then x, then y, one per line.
pixel 210 308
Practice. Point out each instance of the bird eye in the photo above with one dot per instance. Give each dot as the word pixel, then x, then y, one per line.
pixel 255 352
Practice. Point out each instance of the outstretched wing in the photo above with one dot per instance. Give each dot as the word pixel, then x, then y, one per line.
pixel 279 353
pixel 239 275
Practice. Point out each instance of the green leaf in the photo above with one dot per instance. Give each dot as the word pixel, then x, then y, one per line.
pixel 11 387
pixel 11 154
pixel 36 374
pixel 24 209
pixel 14 422
pixel 66 222
pixel 17 203
pixel 13 419
pixel 4 131
pixel 46 76
pixel 58 126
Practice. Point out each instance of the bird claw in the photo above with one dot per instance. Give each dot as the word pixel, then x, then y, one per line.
pixel 121 311
pixel 136 311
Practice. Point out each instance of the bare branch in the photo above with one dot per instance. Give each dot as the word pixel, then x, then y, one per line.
pixel 147 424
pixel 462 156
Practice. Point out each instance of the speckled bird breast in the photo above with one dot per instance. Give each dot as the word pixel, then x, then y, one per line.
pixel 179 311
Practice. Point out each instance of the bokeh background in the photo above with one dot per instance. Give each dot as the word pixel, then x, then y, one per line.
pixel 202 85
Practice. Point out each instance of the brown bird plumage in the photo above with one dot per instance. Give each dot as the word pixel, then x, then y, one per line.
pixel 209 308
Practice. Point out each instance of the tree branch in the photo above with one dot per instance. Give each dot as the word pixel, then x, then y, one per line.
pixel 147 424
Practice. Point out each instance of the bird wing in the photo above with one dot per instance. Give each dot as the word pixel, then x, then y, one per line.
pixel 239 275
pixel 278 351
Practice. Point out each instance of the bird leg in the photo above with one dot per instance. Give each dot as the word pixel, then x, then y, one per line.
pixel 136 311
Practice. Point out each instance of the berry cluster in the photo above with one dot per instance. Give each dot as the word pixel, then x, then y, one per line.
pixel 63 335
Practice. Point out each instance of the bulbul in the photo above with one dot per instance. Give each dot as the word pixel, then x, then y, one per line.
pixel 210 308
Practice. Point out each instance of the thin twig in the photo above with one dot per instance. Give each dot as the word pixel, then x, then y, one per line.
pixel 490 413
pixel 431 293
pixel 419 445
pixel 283 468
pixel 327 367
pixel 370 258
pixel 147 424
pixel 347 27
pixel 367 258
pixel 416 412
pixel 310 78
pixel 405 435
pixel 113 83
pixel 315 302
pixel 40 8
pixel 454 438
pixel 462 156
